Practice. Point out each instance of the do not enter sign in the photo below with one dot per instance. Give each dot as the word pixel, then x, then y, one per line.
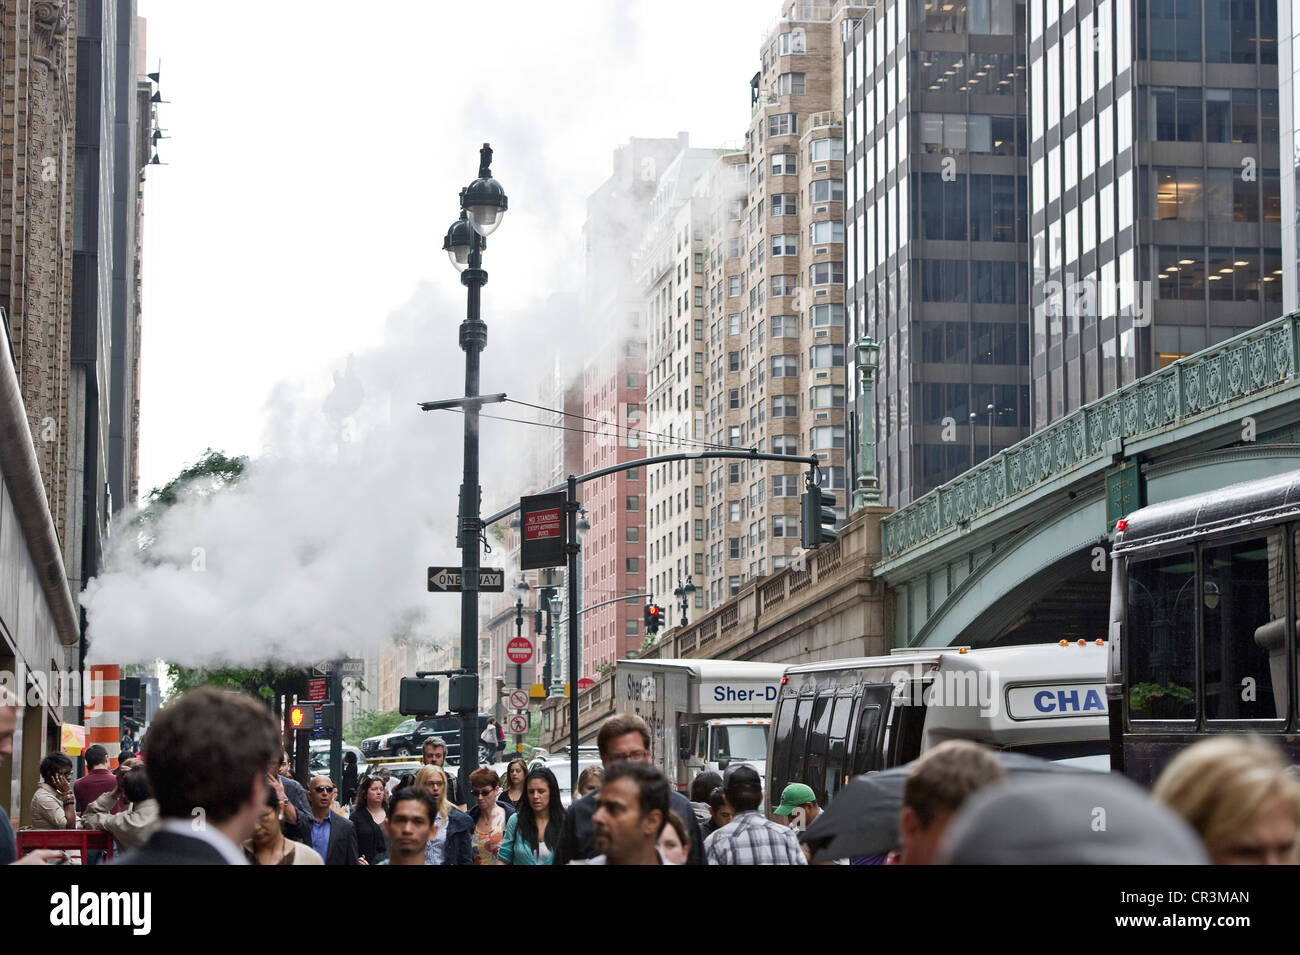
pixel 519 650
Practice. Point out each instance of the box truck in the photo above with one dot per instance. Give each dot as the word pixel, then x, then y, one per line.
pixel 702 714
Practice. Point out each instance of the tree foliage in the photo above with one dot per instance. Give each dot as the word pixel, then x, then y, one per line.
pixel 370 723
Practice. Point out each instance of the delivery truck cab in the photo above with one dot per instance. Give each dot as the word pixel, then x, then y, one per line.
pixel 703 714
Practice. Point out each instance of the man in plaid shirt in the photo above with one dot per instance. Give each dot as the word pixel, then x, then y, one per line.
pixel 749 839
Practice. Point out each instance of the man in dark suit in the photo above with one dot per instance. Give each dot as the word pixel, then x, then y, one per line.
pixel 621 739
pixel 209 754
pixel 334 837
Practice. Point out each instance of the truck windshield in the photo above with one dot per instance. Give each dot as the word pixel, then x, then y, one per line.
pixel 746 743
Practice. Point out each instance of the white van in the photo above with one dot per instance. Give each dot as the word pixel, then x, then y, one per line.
pixel 841 718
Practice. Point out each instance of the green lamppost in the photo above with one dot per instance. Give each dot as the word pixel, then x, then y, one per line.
pixel 868 490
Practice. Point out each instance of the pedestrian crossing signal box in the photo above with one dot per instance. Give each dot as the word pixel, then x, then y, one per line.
pixel 418 696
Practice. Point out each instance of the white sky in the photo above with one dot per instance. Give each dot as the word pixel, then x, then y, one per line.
pixel 316 154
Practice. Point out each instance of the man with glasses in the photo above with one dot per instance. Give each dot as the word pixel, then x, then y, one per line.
pixel 333 837
pixel 621 739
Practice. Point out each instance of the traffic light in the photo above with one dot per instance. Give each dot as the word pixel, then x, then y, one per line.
pixel 417 696
pixel 817 520
pixel 302 716
pixel 654 617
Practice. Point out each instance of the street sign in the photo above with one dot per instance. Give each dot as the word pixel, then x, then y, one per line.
pixel 517 723
pixel 541 518
pixel 518 699
pixel 316 689
pixel 354 667
pixel 519 650
pixel 446 580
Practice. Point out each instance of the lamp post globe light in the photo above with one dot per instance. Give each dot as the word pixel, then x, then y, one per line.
pixel 482 205
pixel 683 592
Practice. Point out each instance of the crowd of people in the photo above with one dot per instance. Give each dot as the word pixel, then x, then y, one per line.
pixel 215 787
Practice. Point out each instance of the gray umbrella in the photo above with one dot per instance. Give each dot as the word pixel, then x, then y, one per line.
pixel 862 820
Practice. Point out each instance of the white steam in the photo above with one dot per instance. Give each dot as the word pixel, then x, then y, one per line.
pixel 321 548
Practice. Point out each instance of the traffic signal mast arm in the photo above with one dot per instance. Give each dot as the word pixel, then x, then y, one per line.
pixel 751 455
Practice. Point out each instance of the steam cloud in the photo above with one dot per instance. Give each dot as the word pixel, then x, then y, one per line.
pixel 321 548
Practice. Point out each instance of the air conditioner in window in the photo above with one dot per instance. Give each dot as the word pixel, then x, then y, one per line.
pixel 823 374
pixel 823 415
pixel 821 168
pixel 821 333
pixel 822 251
pixel 821 209
pixel 823 291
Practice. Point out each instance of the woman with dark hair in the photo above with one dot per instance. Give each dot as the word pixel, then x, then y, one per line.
pixel 268 846
pixel 533 832
pixel 490 815
pixel 370 817
pixel 349 787
pixel 513 789
pixel 53 803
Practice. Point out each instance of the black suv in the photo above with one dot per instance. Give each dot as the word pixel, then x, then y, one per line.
pixel 407 738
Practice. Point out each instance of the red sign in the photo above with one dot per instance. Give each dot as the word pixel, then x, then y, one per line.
pixel 544 525
pixel 585 682
pixel 316 689
pixel 519 650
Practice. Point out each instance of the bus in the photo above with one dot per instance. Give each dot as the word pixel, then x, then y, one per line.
pixel 1202 623
pixel 840 718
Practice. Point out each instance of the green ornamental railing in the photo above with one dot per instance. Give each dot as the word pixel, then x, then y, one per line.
pixel 1240 367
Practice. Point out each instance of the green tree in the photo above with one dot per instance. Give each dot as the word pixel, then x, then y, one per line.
pixel 370 723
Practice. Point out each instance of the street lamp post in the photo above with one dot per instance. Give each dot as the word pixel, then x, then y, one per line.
pixel 482 205
pixel 682 592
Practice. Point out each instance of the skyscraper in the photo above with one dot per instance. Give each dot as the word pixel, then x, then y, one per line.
pixel 1155 195
pixel 936 225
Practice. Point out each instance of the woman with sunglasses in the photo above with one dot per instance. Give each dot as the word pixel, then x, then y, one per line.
pixel 490 814
pixel 53 803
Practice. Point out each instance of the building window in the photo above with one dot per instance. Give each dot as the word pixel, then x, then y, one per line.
pixel 633 565
pixel 826 273
pixel 783 164
pixel 699 530
pixel 826 190
pixel 783 285
pixel 785 525
pixel 733 399
pixel 633 534
pixel 827 437
pixel 733 473
pixel 633 442
pixel 820 232
pixel 633 502
pixel 829 396
pixel 633 628
pixel 699 263
pixel 785 406
pixel 825 150
pixel 699 296
pixel 733 511
pixel 826 356
pixel 785 204
pixel 784 245
pixel 785 444
pixel 830 479
pixel 633 474
pixel 733 361
pixel 790 84
pixel 781 124
pixel 733 436
pixel 787 366
pixel 632 379
pixel 733 286
pixel 785 326
pixel 733 586
pixel 824 315
pixel 785 485
pixel 733 547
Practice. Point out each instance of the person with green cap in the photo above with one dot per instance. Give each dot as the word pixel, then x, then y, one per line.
pixel 799 805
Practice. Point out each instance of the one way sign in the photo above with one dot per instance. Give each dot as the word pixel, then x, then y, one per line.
pixel 445 580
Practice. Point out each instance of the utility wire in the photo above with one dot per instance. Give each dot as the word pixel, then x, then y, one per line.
pixel 651 436
pixel 628 428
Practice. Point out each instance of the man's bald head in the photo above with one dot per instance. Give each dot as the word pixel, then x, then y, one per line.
pixel 321 793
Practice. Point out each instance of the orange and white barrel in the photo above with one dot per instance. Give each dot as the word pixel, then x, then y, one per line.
pixel 103 723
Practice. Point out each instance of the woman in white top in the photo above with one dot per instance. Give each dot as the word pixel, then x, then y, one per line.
pixel 450 843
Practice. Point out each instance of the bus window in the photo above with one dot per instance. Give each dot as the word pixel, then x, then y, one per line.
pixel 814 774
pixel 866 743
pixel 1244 602
pixel 798 741
pixel 778 770
pixel 1160 633
pixel 837 755
pixel 906 734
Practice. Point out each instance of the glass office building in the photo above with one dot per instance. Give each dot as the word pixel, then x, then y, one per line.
pixel 1155 202
pixel 937 231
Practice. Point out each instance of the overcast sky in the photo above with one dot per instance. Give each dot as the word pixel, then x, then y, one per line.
pixel 316 152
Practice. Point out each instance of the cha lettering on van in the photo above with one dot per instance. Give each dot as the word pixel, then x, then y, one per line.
pixel 1045 702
